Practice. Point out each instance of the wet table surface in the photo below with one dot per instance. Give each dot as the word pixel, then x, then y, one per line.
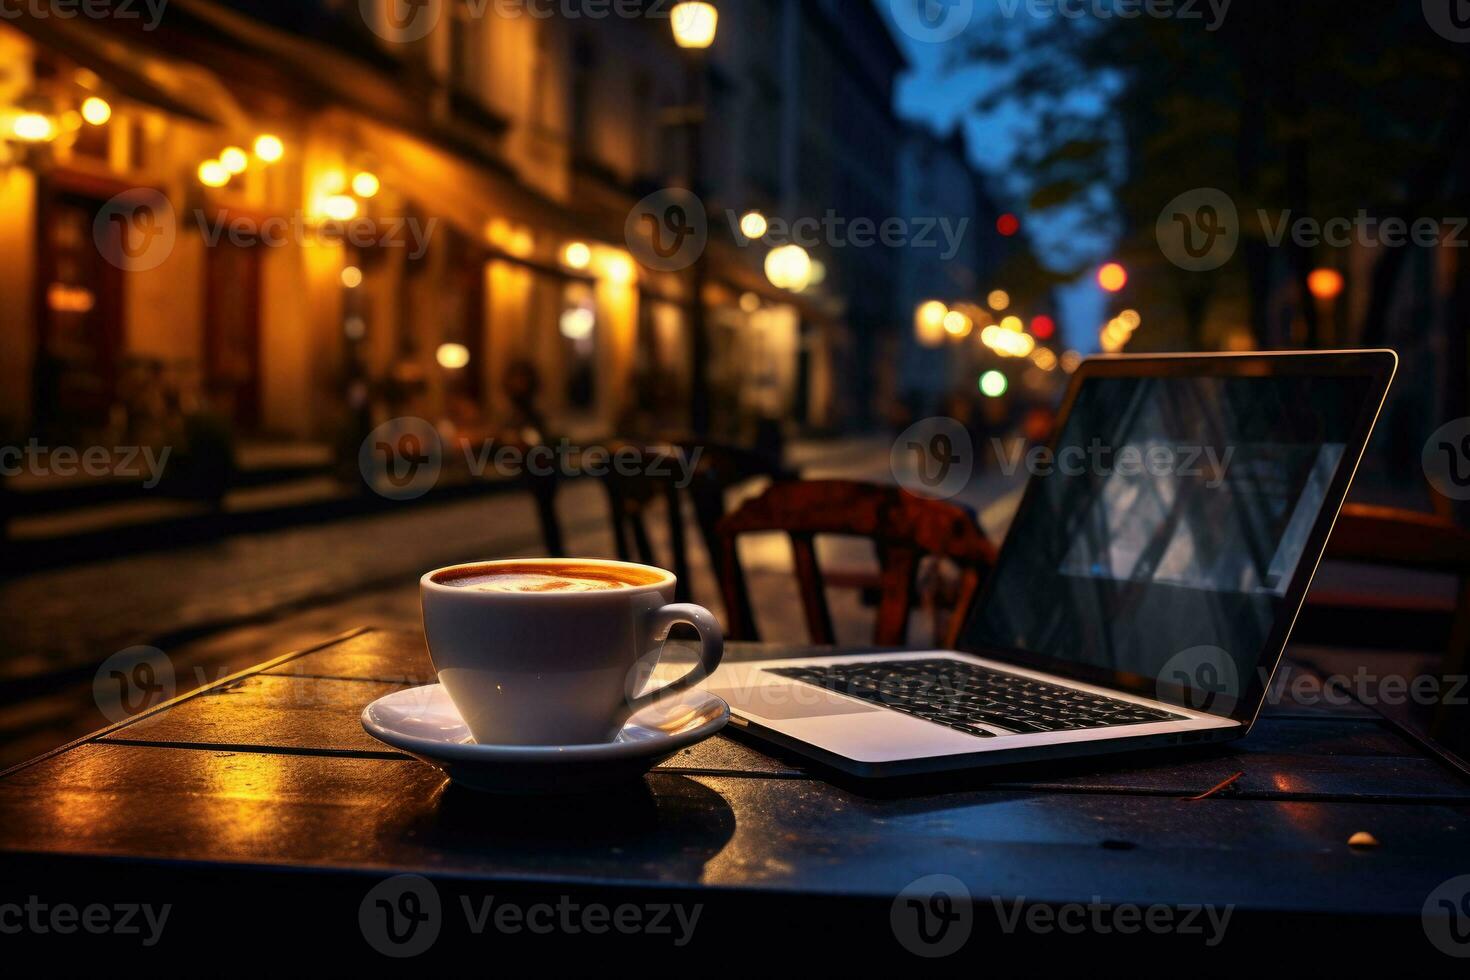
pixel 270 773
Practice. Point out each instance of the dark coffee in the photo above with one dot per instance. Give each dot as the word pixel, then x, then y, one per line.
pixel 546 578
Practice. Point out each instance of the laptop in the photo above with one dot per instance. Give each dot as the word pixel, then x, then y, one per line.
pixel 1144 594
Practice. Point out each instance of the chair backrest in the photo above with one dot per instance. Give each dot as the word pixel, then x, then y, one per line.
pixel 903 528
pixel 662 474
pixel 1412 540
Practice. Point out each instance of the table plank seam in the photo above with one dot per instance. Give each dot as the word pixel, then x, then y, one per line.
pixel 187 696
pixel 235 747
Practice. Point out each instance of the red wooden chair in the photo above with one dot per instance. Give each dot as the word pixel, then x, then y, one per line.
pixel 1389 538
pixel 903 528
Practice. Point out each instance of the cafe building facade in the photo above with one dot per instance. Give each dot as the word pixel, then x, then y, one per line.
pixel 297 218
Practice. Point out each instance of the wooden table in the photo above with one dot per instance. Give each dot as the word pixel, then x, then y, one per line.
pixel 273 827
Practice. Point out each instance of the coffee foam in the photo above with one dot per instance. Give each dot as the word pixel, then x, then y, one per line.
pixel 523 582
pixel 532 579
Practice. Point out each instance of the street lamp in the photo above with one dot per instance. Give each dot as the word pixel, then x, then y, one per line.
pixel 695 23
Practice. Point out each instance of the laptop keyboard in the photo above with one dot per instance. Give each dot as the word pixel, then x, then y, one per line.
pixel 963 696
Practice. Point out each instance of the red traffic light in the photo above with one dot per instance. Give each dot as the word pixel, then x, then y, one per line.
pixel 1008 225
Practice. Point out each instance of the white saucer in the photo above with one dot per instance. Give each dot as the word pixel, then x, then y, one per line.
pixel 423 722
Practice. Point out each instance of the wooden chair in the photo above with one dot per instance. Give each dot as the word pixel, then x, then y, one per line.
pixel 718 469
pixel 1389 538
pixel 903 528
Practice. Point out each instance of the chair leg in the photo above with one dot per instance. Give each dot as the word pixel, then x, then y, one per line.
pixel 684 590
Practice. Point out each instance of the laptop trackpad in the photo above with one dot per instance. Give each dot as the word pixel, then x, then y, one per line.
pixel 781 702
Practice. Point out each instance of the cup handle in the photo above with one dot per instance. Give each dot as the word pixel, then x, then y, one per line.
pixel 711 640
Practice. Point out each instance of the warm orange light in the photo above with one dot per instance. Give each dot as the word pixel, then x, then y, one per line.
pixel 619 270
pixel 929 323
pixel 999 301
pixel 33 127
pixel 234 159
pixel 957 325
pixel 340 207
pixel 212 173
pixel 352 277
pixel 1112 277
pixel 754 226
pixel 1325 284
pixel 695 23
pixel 96 110
pixel 268 148
pixel 453 357
pixel 366 184
pixel 577 255
pixel 789 267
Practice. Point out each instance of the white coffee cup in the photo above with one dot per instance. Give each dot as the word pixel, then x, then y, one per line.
pixel 555 667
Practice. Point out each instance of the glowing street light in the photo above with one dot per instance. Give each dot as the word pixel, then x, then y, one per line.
pixel 957 325
pixel 695 23
pixel 453 357
pixel 578 323
pixel 33 127
pixel 366 184
pixel 1112 277
pixel 999 301
pixel 340 207
pixel 1325 284
pixel 994 384
pixel 929 323
pixel 577 255
pixel 754 226
pixel 96 110
pixel 212 173
pixel 234 159
pixel 352 277
pixel 789 267
pixel 269 148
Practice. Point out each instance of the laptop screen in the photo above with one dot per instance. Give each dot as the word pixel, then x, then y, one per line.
pixel 1159 540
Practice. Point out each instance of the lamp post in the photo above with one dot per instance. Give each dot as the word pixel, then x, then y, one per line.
pixel 695 23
